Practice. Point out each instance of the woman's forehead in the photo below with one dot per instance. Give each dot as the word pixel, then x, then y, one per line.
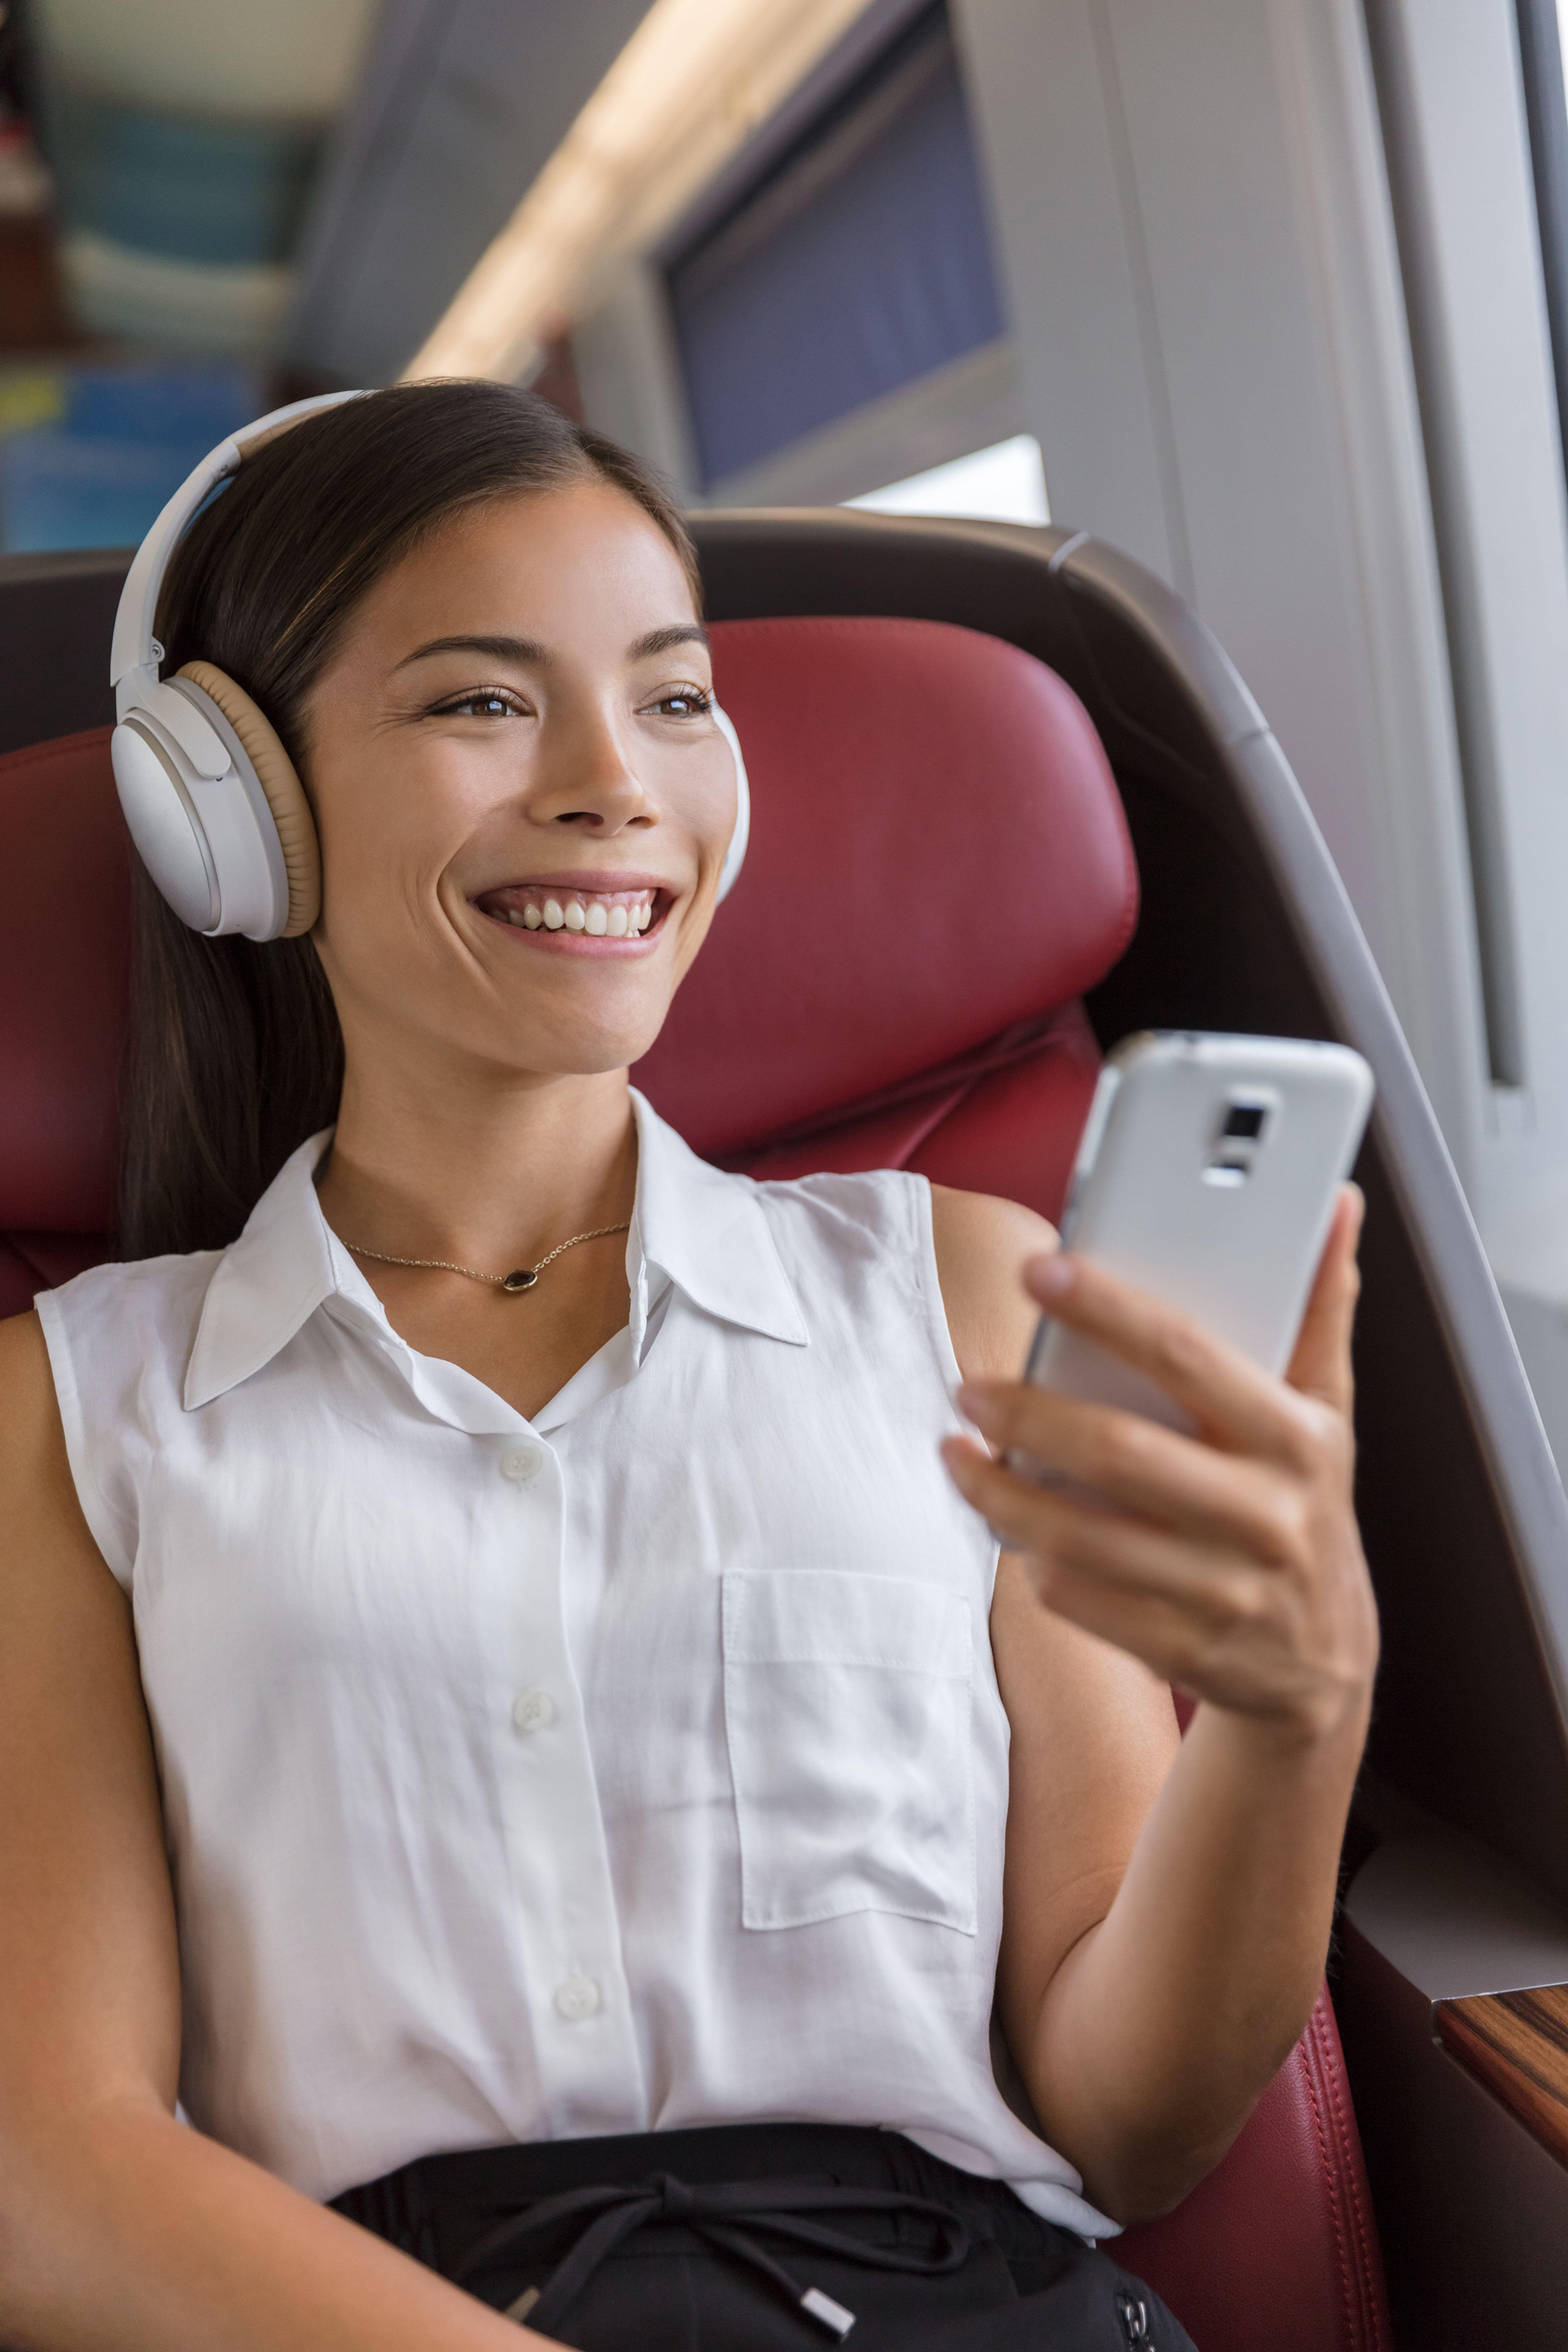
pixel 581 570
pixel 584 555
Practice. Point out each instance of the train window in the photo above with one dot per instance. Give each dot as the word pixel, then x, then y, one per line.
pixel 90 451
pixel 1542 37
pixel 1005 483
pixel 859 263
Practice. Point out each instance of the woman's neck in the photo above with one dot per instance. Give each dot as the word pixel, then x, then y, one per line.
pixel 487 1177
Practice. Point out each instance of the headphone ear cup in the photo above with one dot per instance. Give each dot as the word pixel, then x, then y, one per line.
pixel 735 855
pixel 284 795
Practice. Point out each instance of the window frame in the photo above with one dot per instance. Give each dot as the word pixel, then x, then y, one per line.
pixel 1546 113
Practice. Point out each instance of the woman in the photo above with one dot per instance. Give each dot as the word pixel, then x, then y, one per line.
pixel 454 1734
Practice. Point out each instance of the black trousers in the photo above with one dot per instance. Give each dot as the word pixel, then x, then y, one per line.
pixel 759 2238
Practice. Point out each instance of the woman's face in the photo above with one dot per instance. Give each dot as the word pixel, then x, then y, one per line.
pixel 522 797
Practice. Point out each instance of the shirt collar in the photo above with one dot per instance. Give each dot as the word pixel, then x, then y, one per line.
pixel 692 1224
pixel 707 1233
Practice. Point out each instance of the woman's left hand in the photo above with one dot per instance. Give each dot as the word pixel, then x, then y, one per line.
pixel 1228 1561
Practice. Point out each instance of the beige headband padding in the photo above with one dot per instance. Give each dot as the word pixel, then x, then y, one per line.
pixel 279 780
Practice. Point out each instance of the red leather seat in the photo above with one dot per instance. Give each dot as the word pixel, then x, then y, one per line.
pixel 64 957
pixel 939 870
pixel 939 867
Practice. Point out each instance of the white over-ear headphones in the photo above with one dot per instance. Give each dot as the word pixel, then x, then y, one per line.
pixel 213 800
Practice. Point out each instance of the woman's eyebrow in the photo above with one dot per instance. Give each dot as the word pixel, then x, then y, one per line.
pixel 664 641
pixel 525 651
pixel 529 652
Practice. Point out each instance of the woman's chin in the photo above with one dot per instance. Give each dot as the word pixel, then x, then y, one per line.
pixel 581 1048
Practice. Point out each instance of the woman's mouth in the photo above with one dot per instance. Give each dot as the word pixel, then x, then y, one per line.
pixel 553 910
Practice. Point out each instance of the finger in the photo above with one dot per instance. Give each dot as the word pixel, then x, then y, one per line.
pixel 1054 1528
pixel 1159 1632
pixel 1178 1613
pixel 1139 1466
pixel 1321 1366
pixel 1232 1399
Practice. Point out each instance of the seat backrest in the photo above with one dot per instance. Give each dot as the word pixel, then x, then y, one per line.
pixel 939 869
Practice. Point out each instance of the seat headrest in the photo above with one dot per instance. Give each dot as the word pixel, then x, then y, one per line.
pixel 64 967
pixel 938 852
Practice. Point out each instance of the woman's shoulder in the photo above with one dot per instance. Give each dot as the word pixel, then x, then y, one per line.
pixel 148 1281
pixel 973 1231
pixel 982 1245
pixel 116 1341
pixel 130 1308
pixel 862 1248
pixel 968 1248
pixel 871 1213
pixel 24 1368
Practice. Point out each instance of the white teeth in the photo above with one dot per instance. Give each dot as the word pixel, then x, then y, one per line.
pixel 598 919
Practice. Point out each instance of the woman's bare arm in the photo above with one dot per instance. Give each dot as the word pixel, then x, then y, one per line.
pixel 1167 1914
pixel 121 2229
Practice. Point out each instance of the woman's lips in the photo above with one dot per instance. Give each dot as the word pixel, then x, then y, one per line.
pixel 558 913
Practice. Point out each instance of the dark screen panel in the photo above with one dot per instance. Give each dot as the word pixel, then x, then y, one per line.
pixel 861 263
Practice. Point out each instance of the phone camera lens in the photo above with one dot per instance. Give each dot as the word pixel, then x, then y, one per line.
pixel 1244 1122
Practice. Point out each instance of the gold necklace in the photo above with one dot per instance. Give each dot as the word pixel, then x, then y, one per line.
pixel 521 1277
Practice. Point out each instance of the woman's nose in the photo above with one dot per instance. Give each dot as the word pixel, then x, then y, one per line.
pixel 587 779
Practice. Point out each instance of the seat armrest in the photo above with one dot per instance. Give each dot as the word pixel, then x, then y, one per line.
pixel 1455 1920
pixel 1489 1953
pixel 1439 1940
pixel 1517 2042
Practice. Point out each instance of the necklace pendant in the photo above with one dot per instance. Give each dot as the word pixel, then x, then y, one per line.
pixel 524 1277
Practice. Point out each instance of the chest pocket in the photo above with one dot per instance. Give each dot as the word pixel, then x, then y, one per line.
pixel 847 1704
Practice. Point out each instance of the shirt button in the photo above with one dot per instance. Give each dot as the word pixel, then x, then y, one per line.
pixel 576 1998
pixel 533 1709
pixel 521 1462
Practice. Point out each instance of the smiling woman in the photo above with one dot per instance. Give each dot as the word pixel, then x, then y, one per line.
pixel 520 1731
pixel 236 1048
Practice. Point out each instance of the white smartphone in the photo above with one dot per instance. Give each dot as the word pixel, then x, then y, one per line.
pixel 1207 1175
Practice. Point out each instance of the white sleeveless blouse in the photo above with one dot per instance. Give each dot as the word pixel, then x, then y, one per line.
pixel 638 1767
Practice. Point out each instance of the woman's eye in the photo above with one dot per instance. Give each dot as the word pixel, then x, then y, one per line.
pixel 485 703
pixel 684 702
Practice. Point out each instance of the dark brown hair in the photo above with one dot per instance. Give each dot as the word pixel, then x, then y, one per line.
pixel 235 1054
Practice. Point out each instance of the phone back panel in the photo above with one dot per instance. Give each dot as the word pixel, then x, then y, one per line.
pixel 1207 1175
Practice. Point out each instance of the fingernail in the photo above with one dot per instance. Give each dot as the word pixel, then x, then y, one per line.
pixel 955 1453
pixel 1050 1277
pixel 973 1399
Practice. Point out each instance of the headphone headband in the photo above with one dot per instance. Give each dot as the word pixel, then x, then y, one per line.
pixel 134 647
